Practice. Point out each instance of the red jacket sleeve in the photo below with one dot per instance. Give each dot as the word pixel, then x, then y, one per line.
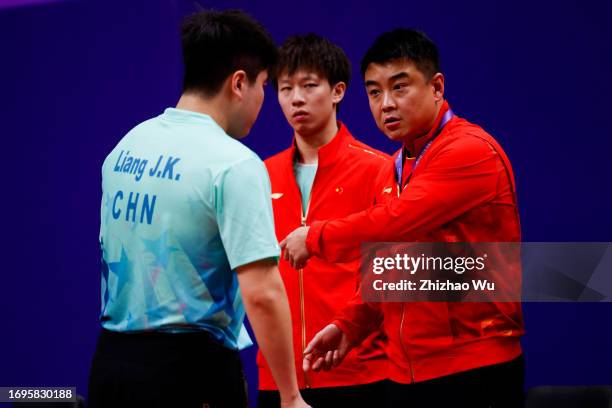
pixel 459 176
pixel 358 319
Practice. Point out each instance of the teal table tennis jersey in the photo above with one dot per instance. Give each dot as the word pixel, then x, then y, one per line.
pixel 183 205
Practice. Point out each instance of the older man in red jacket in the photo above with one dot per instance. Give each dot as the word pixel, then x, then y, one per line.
pixel 451 182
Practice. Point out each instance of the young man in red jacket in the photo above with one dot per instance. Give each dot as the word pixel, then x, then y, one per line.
pixel 326 173
pixel 451 182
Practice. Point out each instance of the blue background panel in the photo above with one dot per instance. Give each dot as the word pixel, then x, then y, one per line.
pixel 75 76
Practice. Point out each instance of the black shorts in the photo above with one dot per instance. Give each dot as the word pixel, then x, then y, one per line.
pixel 165 370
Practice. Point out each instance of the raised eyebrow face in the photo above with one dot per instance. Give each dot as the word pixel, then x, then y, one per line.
pixel 393 78
pixel 370 83
pixel 299 77
pixel 399 75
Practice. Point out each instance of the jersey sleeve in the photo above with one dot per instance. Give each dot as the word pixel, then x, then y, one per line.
pixel 244 213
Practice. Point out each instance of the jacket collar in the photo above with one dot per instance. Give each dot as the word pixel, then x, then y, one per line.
pixel 329 153
pixel 415 146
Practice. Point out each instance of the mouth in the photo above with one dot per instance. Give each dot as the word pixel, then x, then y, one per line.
pixel 391 122
pixel 300 115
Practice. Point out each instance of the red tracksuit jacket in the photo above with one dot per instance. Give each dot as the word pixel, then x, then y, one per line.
pixel 343 185
pixel 461 191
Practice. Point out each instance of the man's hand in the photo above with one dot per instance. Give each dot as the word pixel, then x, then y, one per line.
pixel 294 247
pixel 327 349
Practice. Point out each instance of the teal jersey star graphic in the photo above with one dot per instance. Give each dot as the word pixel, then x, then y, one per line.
pixel 122 270
pixel 161 249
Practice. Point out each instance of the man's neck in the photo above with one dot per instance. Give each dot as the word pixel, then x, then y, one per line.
pixel 213 107
pixel 308 145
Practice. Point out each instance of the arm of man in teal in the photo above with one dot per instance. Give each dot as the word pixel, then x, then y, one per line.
pixel 246 225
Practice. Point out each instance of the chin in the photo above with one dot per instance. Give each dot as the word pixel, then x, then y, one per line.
pixel 396 136
pixel 300 127
pixel 239 134
pixel 243 134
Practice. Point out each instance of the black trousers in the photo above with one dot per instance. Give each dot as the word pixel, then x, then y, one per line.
pixel 165 370
pixel 354 396
pixel 495 386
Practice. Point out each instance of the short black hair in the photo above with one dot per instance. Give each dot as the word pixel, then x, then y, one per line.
pixel 218 43
pixel 316 53
pixel 404 43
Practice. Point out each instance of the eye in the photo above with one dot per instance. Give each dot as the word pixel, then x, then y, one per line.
pixel 374 92
pixel 311 85
pixel 400 86
pixel 285 88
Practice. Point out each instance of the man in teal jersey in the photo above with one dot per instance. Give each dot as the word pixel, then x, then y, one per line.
pixel 187 234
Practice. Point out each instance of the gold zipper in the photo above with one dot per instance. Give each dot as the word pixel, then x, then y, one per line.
pixel 401 328
pixel 404 347
pixel 303 318
pixel 301 279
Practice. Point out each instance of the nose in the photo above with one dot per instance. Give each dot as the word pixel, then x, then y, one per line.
pixel 297 97
pixel 388 103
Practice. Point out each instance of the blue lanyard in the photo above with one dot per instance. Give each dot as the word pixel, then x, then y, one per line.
pixel 399 160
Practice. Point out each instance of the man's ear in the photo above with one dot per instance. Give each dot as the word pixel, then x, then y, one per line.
pixel 338 91
pixel 437 86
pixel 238 83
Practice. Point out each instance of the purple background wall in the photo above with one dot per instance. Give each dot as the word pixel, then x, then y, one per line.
pixel 76 75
